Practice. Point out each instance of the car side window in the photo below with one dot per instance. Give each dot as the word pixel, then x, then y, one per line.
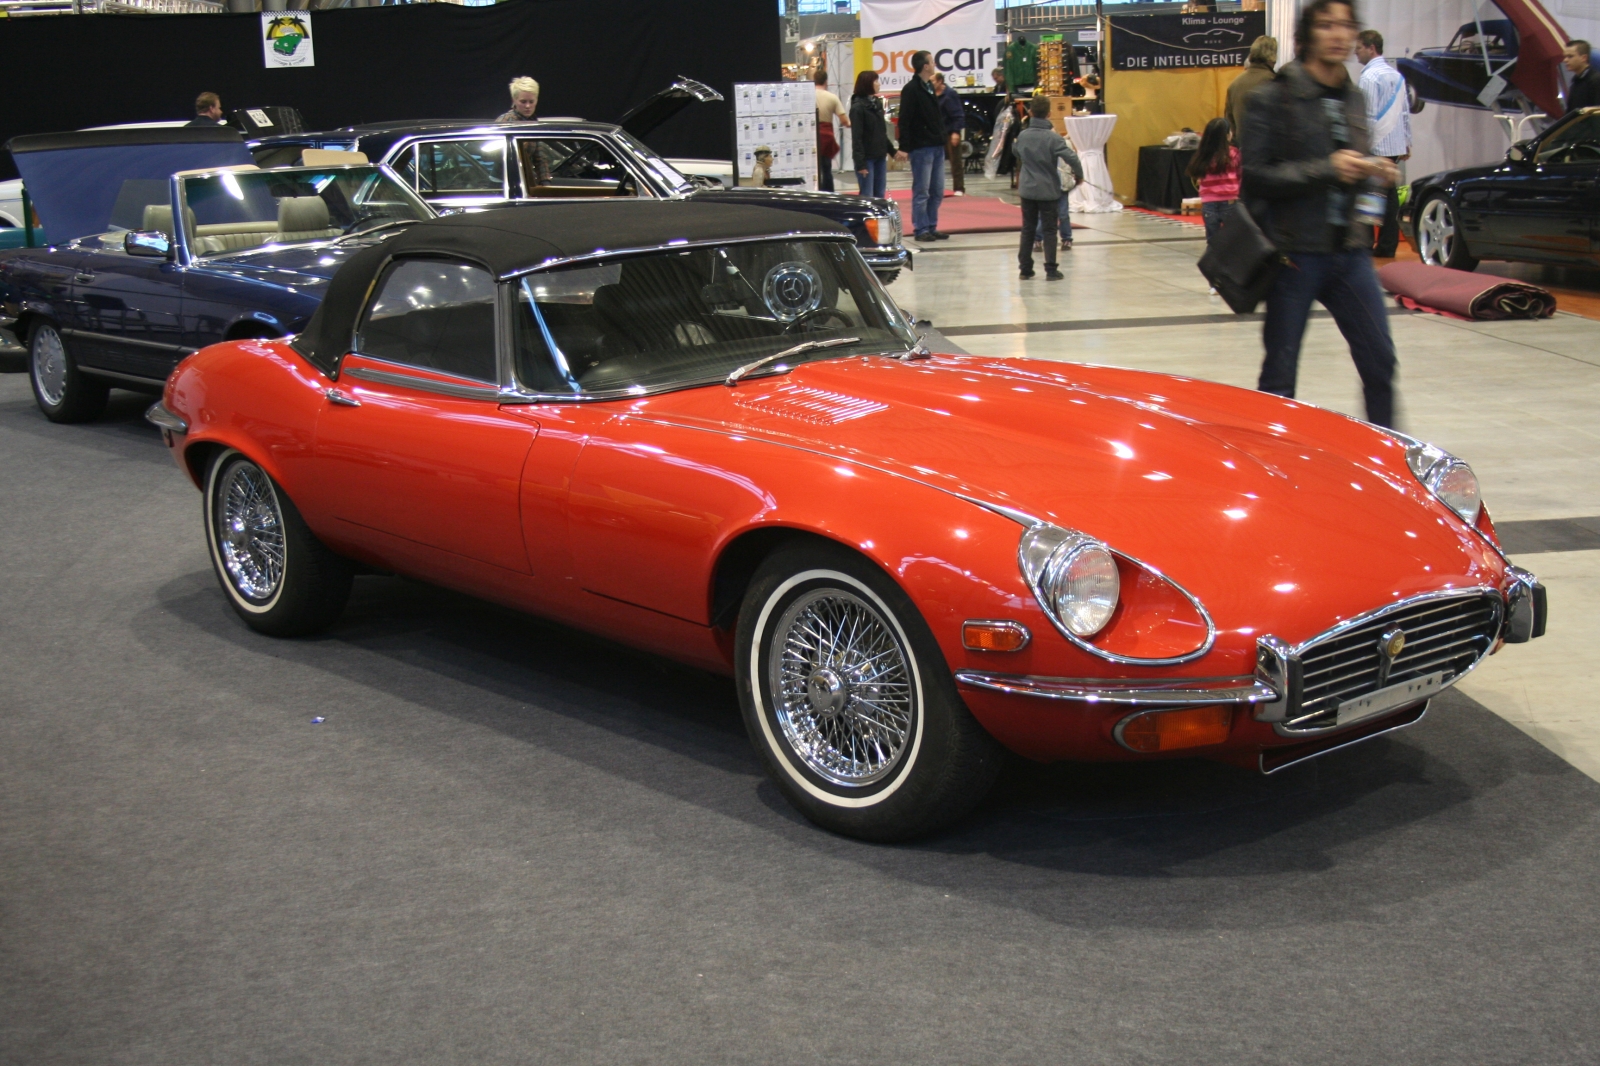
pixel 444 167
pixel 573 167
pixel 1576 142
pixel 436 315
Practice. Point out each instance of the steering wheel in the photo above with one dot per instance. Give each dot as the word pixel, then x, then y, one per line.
pixel 804 318
pixel 1583 151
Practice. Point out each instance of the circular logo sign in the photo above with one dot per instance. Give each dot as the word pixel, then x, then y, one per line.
pixel 792 289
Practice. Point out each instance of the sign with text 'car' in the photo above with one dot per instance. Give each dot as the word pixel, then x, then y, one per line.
pixel 1178 42
pixel 958 33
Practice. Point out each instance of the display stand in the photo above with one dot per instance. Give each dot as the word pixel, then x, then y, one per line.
pixel 780 116
pixel 1089 134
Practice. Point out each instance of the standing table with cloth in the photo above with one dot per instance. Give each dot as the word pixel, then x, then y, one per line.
pixel 1089 134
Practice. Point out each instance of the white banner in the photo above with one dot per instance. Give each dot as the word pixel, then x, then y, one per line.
pixel 959 33
pixel 286 39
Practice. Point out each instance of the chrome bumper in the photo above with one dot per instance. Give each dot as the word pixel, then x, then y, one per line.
pixel 1275 690
pixel 886 256
pixel 165 420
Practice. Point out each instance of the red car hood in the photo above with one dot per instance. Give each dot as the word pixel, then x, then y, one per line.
pixel 1247 500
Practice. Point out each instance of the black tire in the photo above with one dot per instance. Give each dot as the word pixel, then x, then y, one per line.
pixel 63 392
pixel 887 277
pixel 1440 241
pixel 277 575
pixel 883 758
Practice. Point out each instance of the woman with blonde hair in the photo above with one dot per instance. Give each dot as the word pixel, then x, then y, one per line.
pixel 524 100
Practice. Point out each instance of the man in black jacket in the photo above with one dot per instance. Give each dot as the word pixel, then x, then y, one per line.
pixel 922 137
pixel 1307 171
pixel 1585 88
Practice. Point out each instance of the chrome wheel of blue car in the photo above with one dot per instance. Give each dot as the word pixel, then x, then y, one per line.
pixel 62 391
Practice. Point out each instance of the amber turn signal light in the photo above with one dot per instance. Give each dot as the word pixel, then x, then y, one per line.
pixel 995 636
pixel 1193 727
pixel 872 231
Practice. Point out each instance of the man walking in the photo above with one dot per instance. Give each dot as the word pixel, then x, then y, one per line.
pixel 1306 159
pixel 922 137
pixel 1038 149
pixel 1388 127
pixel 1584 90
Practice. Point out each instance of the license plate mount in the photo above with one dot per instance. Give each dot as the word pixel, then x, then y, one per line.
pixel 1372 704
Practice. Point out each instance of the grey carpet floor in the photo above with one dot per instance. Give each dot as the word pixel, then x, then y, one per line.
pixel 510 843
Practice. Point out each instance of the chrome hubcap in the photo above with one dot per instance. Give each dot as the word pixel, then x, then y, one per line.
pixel 50 366
pixel 841 682
pixel 1438 232
pixel 250 531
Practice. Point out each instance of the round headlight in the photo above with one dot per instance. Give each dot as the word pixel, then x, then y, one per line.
pixel 1081 585
pixel 1457 488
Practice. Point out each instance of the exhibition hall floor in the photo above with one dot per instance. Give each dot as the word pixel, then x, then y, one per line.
pixel 506 842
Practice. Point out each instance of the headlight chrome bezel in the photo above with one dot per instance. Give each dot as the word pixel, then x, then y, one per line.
pixel 1436 468
pixel 1048 555
pixel 1046 550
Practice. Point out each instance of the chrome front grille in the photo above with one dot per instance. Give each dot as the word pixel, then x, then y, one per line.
pixel 1441 635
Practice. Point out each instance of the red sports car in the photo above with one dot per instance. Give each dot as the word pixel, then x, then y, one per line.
pixel 706 431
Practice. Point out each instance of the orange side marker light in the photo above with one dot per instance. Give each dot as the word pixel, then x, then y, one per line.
pixel 1193 727
pixel 995 636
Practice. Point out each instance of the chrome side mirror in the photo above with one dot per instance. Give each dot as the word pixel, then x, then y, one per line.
pixel 150 243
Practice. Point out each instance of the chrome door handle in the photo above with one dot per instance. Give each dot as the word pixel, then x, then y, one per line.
pixel 83 277
pixel 335 396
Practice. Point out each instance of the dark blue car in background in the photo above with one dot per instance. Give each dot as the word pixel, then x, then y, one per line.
pixel 164 241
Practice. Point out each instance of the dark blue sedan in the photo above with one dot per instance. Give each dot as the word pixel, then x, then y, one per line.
pixel 181 261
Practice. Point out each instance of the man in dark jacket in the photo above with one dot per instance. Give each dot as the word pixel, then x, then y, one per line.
pixel 1585 88
pixel 1040 150
pixel 922 137
pixel 207 110
pixel 955 124
pixel 1307 172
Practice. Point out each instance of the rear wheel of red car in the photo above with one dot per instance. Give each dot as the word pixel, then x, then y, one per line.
pixel 63 392
pixel 276 574
pixel 849 700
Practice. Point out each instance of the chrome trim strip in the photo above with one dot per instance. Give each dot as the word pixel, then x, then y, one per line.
pixel 1179 692
pixel 161 418
pixel 444 388
pixel 96 372
pixel 1261 758
pixel 607 253
pixel 114 339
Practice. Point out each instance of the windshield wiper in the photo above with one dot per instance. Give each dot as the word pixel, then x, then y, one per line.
pixel 376 229
pixel 808 346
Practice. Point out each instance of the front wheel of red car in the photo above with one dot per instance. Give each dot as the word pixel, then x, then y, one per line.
pixel 279 578
pixel 849 700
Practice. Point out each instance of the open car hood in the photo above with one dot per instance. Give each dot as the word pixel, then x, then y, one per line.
pixel 644 119
pixel 94 180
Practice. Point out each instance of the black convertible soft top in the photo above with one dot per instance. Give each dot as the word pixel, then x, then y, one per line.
pixel 512 240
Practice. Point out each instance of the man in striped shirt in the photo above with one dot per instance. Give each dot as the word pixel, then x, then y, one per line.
pixel 1388 124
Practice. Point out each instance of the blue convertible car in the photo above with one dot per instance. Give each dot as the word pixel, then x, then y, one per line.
pixel 165 241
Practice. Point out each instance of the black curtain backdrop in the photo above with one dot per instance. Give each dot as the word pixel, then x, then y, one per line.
pixel 592 58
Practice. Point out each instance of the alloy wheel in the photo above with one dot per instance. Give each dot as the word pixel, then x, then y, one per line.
pixel 1437 232
pixel 50 366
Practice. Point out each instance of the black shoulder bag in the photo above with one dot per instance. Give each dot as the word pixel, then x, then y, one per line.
pixel 1241 263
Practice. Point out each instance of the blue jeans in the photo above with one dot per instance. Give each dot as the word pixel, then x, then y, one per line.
pixel 1346 284
pixel 927 187
pixel 1213 212
pixel 1065 222
pixel 876 183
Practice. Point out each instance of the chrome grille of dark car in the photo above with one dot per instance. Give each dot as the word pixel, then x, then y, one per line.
pixel 1446 635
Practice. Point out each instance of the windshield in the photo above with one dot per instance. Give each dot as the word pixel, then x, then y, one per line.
pixel 693 316
pixel 664 171
pixel 247 208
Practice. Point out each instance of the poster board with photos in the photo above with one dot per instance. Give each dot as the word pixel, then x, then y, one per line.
pixel 780 116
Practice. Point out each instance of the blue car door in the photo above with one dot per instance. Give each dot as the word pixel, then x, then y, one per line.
pixel 130 314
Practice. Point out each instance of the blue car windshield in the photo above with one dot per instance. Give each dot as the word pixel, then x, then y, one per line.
pixel 240 209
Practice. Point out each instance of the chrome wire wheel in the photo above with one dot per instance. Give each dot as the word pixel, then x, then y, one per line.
pixel 49 366
pixel 841 685
pixel 249 531
pixel 1436 232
